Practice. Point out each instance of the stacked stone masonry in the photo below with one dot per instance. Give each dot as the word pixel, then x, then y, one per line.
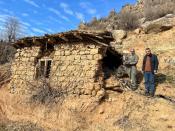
pixel 75 67
pixel 23 67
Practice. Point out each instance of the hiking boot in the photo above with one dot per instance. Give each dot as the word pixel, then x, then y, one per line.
pixel 147 93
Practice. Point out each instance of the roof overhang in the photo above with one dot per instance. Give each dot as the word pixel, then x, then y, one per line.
pixel 99 37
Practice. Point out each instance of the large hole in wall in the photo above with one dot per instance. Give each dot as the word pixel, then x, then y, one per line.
pixel 111 62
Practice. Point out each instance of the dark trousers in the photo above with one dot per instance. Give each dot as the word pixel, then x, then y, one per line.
pixel 149 82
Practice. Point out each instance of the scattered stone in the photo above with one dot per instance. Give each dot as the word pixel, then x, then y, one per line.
pixel 101 111
pixel 137 31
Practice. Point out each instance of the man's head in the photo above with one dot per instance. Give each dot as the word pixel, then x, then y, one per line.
pixel 148 51
pixel 132 51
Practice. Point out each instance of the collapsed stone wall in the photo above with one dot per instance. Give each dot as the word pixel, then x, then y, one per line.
pixel 77 68
pixel 23 68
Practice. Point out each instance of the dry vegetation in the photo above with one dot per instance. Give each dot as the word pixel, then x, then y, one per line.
pixel 16 126
pixel 128 17
pixel 128 107
pixel 44 94
pixel 125 20
pixel 128 20
pixel 10 33
pixel 154 9
pixel 7 52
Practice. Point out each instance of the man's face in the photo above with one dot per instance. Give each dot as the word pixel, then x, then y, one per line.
pixel 132 51
pixel 148 52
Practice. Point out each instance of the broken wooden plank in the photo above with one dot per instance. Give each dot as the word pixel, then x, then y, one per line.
pixel 98 42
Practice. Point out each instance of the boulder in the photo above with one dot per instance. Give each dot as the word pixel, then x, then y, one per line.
pixel 119 34
pixel 159 25
pixel 137 31
pixel 142 21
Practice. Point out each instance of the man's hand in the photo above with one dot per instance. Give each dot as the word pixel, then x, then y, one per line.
pixel 126 62
pixel 155 71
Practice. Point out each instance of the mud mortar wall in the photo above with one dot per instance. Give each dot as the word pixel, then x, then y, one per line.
pixel 78 68
pixel 23 68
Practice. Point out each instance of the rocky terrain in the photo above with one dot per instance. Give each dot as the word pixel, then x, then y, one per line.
pixel 125 110
pixel 122 110
pixel 131 17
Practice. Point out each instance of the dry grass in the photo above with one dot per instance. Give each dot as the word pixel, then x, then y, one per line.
pixel 5 73
pixel 17 126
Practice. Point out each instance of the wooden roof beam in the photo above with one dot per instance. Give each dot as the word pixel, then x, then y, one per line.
pixel 64 38
pixel 76 35
pixel 36 41
pixel 51 40
pixel 101 43
pixel 99 37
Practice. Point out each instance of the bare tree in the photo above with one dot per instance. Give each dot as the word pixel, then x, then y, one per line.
pixel 12 29
pixel 128 20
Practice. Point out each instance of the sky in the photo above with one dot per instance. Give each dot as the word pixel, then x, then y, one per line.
pixel 39 17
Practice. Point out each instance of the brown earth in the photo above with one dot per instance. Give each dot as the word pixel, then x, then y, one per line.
pixel 117 111
pixel 126 110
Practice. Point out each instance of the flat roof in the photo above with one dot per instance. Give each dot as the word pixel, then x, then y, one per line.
pixel 99 37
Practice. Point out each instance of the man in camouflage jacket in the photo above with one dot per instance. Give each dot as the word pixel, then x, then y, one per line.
pixel 130 62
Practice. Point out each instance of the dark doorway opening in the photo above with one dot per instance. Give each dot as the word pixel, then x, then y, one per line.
pixel 111 62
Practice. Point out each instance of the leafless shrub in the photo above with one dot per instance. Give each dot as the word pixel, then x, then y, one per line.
pixel 7 52
pixel 44 94
pixel 101 23
pixel 128 20
pixel 125 20
pixel 96 24
pixel 154 9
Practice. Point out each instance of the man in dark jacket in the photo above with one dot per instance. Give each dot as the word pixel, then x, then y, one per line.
pixel 149 68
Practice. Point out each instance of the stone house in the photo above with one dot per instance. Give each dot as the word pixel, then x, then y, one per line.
pixel 71 60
